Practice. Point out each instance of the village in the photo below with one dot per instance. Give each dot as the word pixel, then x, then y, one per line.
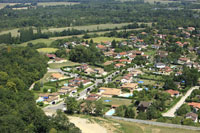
pixel 150 78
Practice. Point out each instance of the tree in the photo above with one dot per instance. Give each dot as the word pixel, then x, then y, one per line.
pixel 153 113
pixel 120 111
pixel 142 116
pixel 188 122
pixel 129 113
pixel 184 109
pixel 99 108
pixel 37 86
pixel 71 105
pixel 114 44
pixel 169 84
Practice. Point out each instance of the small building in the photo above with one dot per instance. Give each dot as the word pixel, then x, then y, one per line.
pixel 57 76
pixel 93 97
pixel 119 65
pixel 192 116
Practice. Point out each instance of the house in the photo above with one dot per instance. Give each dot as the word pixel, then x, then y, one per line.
pixel 52 100
pixel 162 54
pixel 195 105
pixel 83 67
pixel 125 61
pixel 183 60
pixel 137 53
pixel 110 53
pixel 57 76
pixel 192 116
pixel 167 70
pixel 127 78
pixel 108 63
pixel 109 92
pixel 122 54
pixel 89 70
pixel 130 86
pixel 101 47
pixel 51 56
pixel 62 92
pixel 60 60
pixel 100 71
pixel 131 57
pixel 143 106
pixel 136 72
pixel 93 97
pixel 160 65
pixel 173 93
pixel 118 65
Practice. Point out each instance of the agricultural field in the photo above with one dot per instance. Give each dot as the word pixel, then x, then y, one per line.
pixel 87 27
pixel 105 39
pixel 44 4
pixel 47 50
pixel 59 65
pixel 46 41
pixel 115 101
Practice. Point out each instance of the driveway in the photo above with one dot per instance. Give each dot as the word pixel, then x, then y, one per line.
pixel 171 112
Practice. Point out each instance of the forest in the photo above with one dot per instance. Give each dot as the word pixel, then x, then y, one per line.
pixel 19 68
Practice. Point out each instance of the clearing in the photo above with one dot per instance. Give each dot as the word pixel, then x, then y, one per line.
pixel 44 4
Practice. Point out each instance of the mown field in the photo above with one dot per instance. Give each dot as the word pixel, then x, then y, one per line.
pixel 115 101
pixel 105 39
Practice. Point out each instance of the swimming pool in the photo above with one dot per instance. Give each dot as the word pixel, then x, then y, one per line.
pixel 110 112
pixel 40 100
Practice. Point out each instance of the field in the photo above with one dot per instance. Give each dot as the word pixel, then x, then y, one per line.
pixel 115 101
pixel 2 5
pixel 59 65
pixel 56 3
pixel 47 50
pixel 105 39
pixel 46 41
pixel 152 1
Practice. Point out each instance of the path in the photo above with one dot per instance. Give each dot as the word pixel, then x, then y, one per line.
pixel 155 123
pixel 171 112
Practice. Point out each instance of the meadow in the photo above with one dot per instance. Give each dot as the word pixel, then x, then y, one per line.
pixel 59 65
pixel 47 50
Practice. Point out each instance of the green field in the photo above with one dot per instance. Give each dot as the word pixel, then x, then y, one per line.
pixel 59 65
pixel 56 3
pixel 105 39
pixel 47 50
pixel 116 101
pixel 46 41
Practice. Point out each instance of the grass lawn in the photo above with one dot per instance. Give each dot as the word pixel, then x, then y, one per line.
pixel 116 101
pixel 46 41
pixel 59 65
pixel 151 82
pixel 47 50
pixel 150 52
pixel 105 39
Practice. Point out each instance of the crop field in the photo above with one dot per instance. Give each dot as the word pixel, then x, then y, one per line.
pixel 47 50
pixel 46 41
pixel 2 5
pixel 105 39
pixel 56 3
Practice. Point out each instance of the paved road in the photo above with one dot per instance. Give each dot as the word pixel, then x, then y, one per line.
pixel 171 112
pixel 155 123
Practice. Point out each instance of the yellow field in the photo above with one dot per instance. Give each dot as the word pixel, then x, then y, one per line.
pixel 2 5
pixel 46 41
pixel 47 50
pixel 105 39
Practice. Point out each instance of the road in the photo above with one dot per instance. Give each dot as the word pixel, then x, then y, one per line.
pixel 171 112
